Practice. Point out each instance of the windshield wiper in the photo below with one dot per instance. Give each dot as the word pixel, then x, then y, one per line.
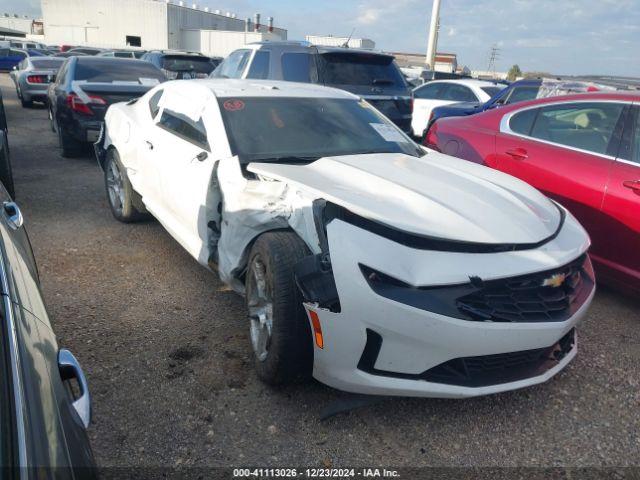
pixel 382 81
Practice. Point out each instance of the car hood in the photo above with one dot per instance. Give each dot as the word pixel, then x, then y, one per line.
pixel 436 196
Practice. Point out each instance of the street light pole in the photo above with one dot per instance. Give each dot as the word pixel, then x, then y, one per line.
pixel 433 34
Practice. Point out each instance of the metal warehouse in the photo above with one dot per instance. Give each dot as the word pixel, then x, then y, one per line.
pixel 149 24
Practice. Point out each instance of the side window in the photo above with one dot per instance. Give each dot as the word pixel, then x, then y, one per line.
pixel 459 93
pixel 4 52
pixel 185 128
pixel 431 91
pixel 18 53
pixel 260 65
pixel 234 65
pixel 521 94
pixel 154 108
pixel 296 67
pixel 587 126
pixel 523 121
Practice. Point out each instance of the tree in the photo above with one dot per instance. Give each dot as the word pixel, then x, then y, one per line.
pixel 514 72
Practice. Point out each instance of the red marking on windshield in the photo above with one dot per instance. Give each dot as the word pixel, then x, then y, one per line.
pixel 233 105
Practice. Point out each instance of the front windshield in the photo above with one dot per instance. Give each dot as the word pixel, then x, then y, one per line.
pixel 290 129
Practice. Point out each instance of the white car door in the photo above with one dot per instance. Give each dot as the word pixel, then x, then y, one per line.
pixel 185 161
pixel 425 99
pixel 141 162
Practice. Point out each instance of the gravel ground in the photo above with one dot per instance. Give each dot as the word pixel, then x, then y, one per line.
pixel 165 348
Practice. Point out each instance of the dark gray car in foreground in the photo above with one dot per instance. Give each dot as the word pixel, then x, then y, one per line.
pixel 45 406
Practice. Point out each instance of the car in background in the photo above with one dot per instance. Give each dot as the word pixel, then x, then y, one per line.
pixel 11 57
pixel 24 45
pixel 6 173
pixel 376 266
pixel 45 404
pixel 370 75
pixel 123 53
pixel 519 91
pixel 445 92
pixel 68 54
pixel 85 87
pixel 180 65
pixel 86 50
pixel 581 150
pixel 32 77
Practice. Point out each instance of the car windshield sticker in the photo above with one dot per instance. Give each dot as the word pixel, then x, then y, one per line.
pixel 389 133
pixel 233 105
pixel 149 82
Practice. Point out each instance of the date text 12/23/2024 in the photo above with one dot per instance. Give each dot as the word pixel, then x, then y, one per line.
pixel 315 473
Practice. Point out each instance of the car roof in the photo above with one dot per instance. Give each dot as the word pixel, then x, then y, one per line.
pixel 222 87
pixel 619 96
pixel 86 59
pixel 467 81
pixel 320 48
pixel 176 52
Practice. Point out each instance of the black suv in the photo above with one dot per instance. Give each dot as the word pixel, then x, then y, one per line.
pixel 371 75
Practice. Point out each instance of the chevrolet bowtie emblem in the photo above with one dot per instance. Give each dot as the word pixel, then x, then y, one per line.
pixel 554 281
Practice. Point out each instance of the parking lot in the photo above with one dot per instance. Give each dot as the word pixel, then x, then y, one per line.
pixel 165 348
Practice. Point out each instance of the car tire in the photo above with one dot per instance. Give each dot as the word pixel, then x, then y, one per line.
pixel 6 173
pixel 69 145
pixel 23 102
pixel 124 201
pixel 279 328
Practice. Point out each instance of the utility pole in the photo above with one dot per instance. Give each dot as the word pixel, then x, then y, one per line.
pixel 433 34
pixel 494 54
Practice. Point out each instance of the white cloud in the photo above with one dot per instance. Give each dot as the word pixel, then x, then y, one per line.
pixel 369 16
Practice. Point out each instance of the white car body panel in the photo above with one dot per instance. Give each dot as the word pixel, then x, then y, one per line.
pixel 397 189
pixel 422 107
pixel 435 196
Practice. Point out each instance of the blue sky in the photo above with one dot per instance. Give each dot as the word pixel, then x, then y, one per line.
pixel 557 36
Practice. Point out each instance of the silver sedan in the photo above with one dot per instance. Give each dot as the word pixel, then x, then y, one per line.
pixel 32 77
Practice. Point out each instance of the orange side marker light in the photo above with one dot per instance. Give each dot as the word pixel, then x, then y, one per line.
pixel 317 329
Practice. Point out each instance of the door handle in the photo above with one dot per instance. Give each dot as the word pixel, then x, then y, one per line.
pixel 70 369
pixel 633 185
pixel 518 153
pixel 149 144
pixel 13 215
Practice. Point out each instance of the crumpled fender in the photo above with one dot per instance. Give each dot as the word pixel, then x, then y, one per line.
pixel 253 207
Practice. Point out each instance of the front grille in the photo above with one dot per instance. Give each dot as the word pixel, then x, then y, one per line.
pixel 517 299
pixel 501 368
pixel 540 297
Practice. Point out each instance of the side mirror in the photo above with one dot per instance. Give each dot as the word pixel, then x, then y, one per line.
pixel 202 156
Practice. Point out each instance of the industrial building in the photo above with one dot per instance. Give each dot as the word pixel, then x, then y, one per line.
pixel 331 41
pixel 17 23
pixel 149 24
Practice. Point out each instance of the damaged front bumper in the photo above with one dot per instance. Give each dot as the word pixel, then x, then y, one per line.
pixel 422 329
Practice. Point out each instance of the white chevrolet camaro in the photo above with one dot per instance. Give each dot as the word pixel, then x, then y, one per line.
pixel 374 264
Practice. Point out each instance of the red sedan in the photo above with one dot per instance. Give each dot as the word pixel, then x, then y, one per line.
pixel 581 150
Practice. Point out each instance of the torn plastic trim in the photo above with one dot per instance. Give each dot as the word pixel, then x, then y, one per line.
pixel 314 274
pixel 423 242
